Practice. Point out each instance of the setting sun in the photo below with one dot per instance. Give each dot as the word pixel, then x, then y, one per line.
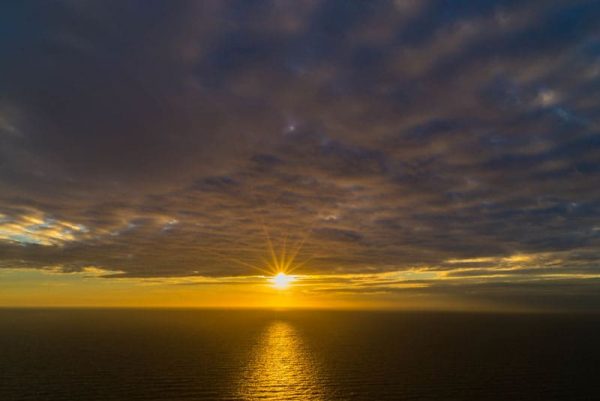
pixel 281 280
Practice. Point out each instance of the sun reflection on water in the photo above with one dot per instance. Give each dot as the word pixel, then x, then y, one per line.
pixel 281 367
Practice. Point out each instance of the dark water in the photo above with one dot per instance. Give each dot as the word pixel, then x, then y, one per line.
pixel 214 355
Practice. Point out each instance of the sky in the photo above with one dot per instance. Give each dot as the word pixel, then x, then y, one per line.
pixel 402 154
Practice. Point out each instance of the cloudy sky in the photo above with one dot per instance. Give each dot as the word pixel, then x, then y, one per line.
pixel 408 153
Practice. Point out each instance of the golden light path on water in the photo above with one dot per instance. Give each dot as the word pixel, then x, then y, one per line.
pixel 280 367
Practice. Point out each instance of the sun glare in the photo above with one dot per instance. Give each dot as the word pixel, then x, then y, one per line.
pixel 281 280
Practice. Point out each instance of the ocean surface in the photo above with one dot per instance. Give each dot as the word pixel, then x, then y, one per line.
pixel 74 355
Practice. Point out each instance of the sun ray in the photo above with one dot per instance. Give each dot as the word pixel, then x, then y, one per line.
pixel 295 252
pixel 238 261
pixel 271 249
pixel 298 265
pixel 282 259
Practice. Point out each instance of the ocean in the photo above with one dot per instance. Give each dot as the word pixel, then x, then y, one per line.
pixel 195 354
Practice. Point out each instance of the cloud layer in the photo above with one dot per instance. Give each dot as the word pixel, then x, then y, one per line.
pixel 165 139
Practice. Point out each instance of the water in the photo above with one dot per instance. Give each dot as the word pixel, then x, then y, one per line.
pixel 297 355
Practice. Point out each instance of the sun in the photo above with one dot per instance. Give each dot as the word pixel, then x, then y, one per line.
pixel 281 280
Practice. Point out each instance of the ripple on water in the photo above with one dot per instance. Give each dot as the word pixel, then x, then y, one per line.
pixel 281 367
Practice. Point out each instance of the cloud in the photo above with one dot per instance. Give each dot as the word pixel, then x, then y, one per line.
pixel 35 228
pixel 165 139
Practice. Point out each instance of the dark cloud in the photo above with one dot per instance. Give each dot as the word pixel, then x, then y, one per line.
pixel 169 138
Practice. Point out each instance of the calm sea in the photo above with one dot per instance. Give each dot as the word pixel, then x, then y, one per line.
pixel 73 355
